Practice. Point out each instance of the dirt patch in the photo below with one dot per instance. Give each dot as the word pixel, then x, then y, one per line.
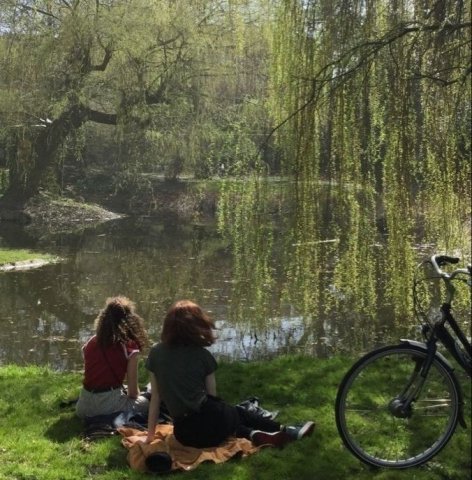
pixel 64 215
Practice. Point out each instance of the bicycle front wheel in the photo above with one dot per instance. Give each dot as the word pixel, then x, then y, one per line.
pixel 375 421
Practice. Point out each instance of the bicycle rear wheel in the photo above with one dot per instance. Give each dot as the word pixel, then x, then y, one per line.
pixel 370 413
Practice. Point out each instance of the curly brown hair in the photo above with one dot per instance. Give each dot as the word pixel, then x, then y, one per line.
pixel 187 324
pixel 118 322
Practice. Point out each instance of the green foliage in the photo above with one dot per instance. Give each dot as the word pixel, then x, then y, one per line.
pixel 243 220
pixel 375 95
pixel 370 93
pixel 182 81
pixel 372 105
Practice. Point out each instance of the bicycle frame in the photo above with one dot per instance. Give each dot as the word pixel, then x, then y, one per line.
pixel 461 355
pixel 459 347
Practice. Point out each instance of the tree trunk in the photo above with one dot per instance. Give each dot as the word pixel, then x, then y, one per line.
pixel 43 154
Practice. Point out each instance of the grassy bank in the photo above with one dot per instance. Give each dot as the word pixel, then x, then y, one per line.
pixel 14 256
pixel 39 440
pixel 13 260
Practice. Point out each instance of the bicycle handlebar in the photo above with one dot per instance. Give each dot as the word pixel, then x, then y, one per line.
pixel 441 260
pixel 437 261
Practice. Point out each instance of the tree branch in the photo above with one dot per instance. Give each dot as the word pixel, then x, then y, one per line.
pixel 374 46
pixel 106 60
pixel 441 81
pixel 34 9
pixel 100 117
pixel 368 49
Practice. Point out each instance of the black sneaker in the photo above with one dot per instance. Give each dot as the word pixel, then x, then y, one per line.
pixel 252 405
pixel 274 439
pixel 300 431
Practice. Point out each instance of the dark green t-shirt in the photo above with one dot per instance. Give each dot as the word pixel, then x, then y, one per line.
pixel 180 373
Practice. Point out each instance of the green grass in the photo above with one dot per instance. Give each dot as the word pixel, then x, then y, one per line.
pixel 39 440
pixel 12 256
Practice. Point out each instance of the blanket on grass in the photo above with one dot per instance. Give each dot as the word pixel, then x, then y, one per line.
pixel 165 453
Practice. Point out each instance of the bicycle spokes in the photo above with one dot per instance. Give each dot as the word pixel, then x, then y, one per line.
pixel 389 415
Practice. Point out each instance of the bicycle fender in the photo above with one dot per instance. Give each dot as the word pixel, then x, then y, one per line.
pixel 446 362
pixel 425 348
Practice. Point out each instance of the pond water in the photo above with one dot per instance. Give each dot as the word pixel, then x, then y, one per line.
pixel 270 292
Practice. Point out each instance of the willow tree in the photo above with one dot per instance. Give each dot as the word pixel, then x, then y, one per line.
pixel 376 95
pixel 67 63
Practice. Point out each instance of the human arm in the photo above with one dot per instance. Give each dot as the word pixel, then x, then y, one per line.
pixel 132 376
pixel 210 384
pixel 154 407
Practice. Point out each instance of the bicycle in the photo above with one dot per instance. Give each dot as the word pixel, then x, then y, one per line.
pixel 399 405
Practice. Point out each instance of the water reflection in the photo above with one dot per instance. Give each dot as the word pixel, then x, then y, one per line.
pixel 340 256
pixel 319 272
pixel 48 312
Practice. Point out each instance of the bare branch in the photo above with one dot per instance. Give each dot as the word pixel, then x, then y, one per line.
pixel 441 81
pixel 38 10
pixel 100 117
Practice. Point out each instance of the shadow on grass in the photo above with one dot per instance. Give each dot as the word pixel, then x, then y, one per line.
pixel 67 427
pixel 117 457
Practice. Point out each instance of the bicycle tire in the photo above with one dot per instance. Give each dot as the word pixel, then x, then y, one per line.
pixel 381 437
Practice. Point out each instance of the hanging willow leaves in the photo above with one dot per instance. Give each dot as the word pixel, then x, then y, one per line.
pixel 375 95
pixel 244 219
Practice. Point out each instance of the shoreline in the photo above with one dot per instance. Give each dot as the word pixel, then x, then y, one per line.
pixel 22 259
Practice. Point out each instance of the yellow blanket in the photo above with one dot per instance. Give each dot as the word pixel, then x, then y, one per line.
pixel 182 457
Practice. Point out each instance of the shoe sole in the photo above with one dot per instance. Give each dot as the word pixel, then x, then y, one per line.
pixel 276 439
pixel 306 430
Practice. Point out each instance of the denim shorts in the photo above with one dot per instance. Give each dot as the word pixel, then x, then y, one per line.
pixel 92 404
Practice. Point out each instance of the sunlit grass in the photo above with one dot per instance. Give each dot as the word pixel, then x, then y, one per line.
pixel 40 440
pixel 13 256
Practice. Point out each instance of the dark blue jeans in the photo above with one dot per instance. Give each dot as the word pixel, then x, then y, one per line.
pixel 216 421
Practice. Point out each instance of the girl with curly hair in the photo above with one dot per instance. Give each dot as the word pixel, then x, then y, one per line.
pixel 110 357
pixel 182 375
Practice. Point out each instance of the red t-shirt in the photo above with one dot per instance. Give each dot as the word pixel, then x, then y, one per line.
pixel 106 368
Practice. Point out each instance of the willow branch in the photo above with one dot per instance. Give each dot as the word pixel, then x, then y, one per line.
pixel 374 46
pixel 369 49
